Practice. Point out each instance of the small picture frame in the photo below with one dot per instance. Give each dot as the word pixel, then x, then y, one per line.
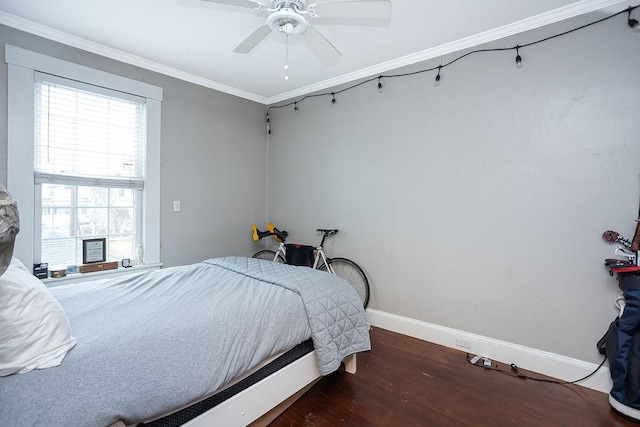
pixel 94 250
pixel 126 262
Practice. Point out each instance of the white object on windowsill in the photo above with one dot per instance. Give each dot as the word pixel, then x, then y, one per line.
pixel 105 274
pixel 140 254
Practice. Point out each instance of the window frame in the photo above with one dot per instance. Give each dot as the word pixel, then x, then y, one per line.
pixel 22 68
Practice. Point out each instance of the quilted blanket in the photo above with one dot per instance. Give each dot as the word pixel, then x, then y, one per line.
pixel 337 320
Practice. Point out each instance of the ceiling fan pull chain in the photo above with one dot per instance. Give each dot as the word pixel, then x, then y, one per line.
pixel 286 58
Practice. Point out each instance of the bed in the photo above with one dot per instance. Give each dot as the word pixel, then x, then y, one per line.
pixel 147 345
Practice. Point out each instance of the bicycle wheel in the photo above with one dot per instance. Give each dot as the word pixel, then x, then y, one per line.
pixel 352 273
pixel 268 255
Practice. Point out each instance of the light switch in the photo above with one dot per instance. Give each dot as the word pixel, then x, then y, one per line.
pixel 176 205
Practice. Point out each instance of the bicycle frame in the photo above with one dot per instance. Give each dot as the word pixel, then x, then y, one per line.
pixel 319 253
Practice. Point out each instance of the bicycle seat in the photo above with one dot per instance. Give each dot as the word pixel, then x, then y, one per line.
pixel 327 232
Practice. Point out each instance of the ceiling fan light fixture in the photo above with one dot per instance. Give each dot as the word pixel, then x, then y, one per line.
pixel 287 21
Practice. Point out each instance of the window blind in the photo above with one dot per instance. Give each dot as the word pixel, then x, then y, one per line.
pixel 88 138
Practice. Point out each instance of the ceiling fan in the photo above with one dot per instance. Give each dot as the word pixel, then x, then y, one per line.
pixel 290 17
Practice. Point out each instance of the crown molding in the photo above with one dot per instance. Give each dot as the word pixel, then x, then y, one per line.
pixel 99 49
pixel 556 15
pixel 551 17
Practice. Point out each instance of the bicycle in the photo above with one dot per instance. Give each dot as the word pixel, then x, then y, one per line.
pixel 341 267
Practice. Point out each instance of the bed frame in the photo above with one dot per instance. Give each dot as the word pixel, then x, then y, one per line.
pixel 261 403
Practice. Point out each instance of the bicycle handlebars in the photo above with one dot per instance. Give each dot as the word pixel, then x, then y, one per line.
pixel 281 236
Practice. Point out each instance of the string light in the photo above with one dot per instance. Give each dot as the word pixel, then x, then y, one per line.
pixel 518 59
pixel 268 123
pixel 633 24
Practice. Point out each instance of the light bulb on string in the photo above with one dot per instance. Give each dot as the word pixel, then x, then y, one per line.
pixel 518 59
pixel 634 24
pixel 380 87
pixel 333 98
pixel 295 107
pixel 268 123
pixel 436 82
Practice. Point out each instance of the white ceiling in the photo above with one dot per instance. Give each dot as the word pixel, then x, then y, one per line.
pixel 193 40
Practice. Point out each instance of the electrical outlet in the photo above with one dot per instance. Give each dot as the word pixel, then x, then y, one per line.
pixel 463 342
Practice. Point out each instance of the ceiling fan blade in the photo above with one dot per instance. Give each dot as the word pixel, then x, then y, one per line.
pixel 245 3
pixel 252 41
pixel 375 9
pixel 320 46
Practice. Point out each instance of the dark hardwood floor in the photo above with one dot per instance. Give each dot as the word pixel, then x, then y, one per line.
pixel 404 381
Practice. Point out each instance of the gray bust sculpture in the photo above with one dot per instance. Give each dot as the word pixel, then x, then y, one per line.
pixel 9 227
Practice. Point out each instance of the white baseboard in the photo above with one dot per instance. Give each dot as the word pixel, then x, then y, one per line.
pixel 531 359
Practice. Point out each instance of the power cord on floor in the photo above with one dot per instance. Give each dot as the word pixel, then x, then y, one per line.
pixel 515 371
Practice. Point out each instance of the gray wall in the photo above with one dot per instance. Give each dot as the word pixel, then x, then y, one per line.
pixel 213 157
pixel 478 205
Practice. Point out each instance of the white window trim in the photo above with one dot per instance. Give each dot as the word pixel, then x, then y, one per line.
pixel 22 66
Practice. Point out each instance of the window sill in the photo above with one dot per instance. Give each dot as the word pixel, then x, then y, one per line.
pixel 106 274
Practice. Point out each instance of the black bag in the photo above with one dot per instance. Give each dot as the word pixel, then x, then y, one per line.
pixel 299 255
pixel 621 344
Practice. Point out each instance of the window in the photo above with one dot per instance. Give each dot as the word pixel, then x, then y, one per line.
pixel 83 159
pixel 89 169
pixel 72 213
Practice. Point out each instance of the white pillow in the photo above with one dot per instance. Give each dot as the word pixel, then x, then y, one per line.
pixel 34 329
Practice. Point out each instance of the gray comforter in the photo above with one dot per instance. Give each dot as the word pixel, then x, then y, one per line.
pixel 152 343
